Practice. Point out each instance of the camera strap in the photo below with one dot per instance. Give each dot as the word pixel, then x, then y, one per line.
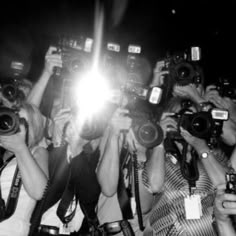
pixel 67 200
pixel 13 196
pixel 136 191
pixel 122 193
pixel 189 170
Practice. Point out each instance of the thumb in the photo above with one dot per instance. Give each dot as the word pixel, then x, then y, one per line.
pixel 22 128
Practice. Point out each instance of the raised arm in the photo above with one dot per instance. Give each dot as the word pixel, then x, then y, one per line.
pixel 109 164
pixel 51 60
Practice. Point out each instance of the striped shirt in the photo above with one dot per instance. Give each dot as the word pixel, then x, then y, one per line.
pixel 168 214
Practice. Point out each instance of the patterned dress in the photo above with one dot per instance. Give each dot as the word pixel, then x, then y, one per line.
pixel 168 214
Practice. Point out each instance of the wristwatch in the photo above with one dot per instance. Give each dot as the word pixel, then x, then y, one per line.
pixel 205 155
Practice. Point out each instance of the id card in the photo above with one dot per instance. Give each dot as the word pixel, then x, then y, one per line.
pixel 193 207
pixel 133 205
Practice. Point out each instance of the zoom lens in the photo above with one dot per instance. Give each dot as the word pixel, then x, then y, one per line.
pixel 9 121
pixel 9 91
pixel 148 134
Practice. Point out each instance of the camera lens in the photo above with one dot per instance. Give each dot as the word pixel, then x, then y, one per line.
pixel 9 91
pixel 6 122
pixel 77 65
pixel 201 125
pixel 148 134
pixel 183 72
pixel 9 121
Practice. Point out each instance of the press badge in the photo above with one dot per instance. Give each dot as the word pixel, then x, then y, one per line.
pixel 193 207
pixel 133 205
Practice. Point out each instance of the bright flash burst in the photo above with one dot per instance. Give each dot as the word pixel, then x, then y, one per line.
pixel 92 94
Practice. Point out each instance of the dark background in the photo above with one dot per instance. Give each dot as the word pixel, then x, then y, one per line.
pixel 28 27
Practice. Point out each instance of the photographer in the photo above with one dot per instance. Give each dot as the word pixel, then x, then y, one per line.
pixel 224 207
pixel 13 91
pixel 116 176
pixel 23 156
pixel 212 95
pixel 72 163
pixel 52 60
pixel 191 172
pixel 183 80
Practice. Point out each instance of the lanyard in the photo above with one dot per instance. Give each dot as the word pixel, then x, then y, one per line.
pixel 13 196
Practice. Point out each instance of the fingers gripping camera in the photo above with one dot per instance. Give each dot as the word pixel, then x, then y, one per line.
pixel 205 124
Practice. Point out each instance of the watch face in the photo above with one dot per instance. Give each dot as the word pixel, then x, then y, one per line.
pixel 204 155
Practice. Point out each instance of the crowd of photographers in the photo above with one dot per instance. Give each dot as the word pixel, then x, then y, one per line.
pixel 158 159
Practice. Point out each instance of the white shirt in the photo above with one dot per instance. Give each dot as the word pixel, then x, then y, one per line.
pixel 18 224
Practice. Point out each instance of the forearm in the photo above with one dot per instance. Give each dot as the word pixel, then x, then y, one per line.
pixel 233 159
pixel 214 169
pixel 156 169
pixel 108 167
pixel 33 177
pixel 225 228
pixel 36 94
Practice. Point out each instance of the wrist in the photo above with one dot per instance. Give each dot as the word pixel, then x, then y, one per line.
pixel 222 219
pixel 46 73
pixel 20 148
pixel 204 153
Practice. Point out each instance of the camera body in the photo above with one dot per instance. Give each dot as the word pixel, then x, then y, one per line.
pixel 145 124
pixel 183 68
pixel 138 73
pixel 225 88
pixel 75 53
pixel 230 183
pixel 204 124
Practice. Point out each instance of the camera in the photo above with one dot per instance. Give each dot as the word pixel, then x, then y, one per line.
pixel 116 227
pixel 95 126
pixel 9 121
pixel 138 73
pixel 137 66
pixel 204 124
pixel 9 88
pixel 75 53
pixel 145 125
pixel 183 68
pixel 225 88
pixel 230 183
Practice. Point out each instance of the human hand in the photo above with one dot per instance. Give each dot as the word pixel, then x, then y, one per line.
pixel 198 144
pixel 189 91
pixel 213 96
pixel 15 142
pixel 168 123
pixel 225 204
pixel 52 60
pixel 159 74
pixel 120 121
